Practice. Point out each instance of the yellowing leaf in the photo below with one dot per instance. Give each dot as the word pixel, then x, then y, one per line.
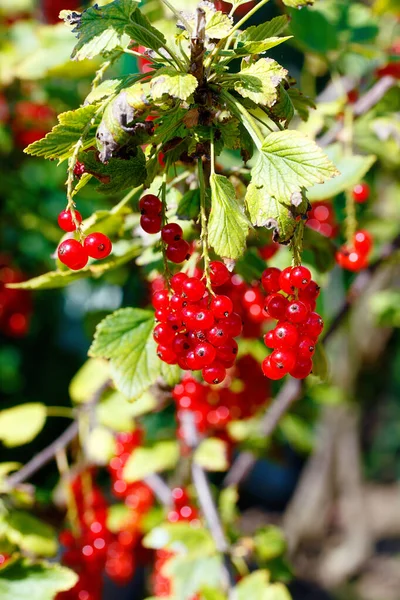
pixel 212 455
pixel 173 83
pixel 30 534
pixel 146 461
pixel 259 81
pixel 21 424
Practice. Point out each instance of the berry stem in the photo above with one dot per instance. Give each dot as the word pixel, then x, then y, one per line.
pixel 351 218
pixel 296 244
pixel 72 509
pixel 163 190
pixel 204 223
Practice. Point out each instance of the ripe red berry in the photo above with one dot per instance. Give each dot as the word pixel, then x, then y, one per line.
pixel 285 335
pixel 79 169
pixel 227 353
pixel 350 259
pixel 310 292
pixel 269 339
pixel 193 289
pixel 300 277
pixel 221 306
pixel 167 354
pixel 362 242
pixel 302 368
pixel 285 281
pixel 178 251
pixel 162 314
pixel 160 299
pixel 180 344
pixel 306 348
pixel 65 221
pixel 177 282
pixel 361 192
pixel 172 232
pixel 219 273
pixel 271 370
pixel 270 280
pixel 205 354
pixel 150 205
pixel 297 311
pixel 276 305
pixel 202 319
pixel 72 254
pixel 284 359
pixel 150 223
pixel 232 325
pixel 215 373
pixel 217 335
pixel 98 245
pixel 313 326
pixel 163 334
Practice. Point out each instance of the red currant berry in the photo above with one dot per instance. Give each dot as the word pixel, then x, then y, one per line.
pixel 205 354
pixel 161 314
pixel 180 344
pixel 177 282
pixel 170 233
pixel 300 277
pixel 284 359
pixel 160 299
pixel 285 281
pixel 150 205
pixel 214 374
pixel 270 280
pixel 188 313
pixel 193 289
pixel 350 259
pixel 217 335
pixel 221 306
pixel 65 221
pixel 177 302
pixel 285 335
pixel 361 192
pixel 98 245
pixel 195 337
pixel 202 319
pixel 311 292
pixel 178 251
pixel 163 334
pixel 227 352
pixel 362 242
pixel 150 223
pixel 276 305
pixel 269 339
pixel 306 348
pixel 72 254
pixel 219 273
pixel 271 370
pixel 232 325
pixel 313 326
pixel 167 354
pixel 79 169
pixel 297 311
pixel 302 368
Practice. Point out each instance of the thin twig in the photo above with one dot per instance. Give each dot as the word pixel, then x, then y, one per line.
pixel 161 490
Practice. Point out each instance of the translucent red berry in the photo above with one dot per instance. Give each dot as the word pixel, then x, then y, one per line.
pixel 217 335
pixel 269 339
pixel 313 326
pixel 65 220
pixel 227 352
pixel 193 289
pixel 160 299
pixel 219 273
pixel 72 254
pixel 271 370
pixel 178 251
pixel 284 359
pixel 98 245
pixel 79 169
pixel 163 334
pixel 306 348
pixel 362 242
pixel 232 325
pixel 300 277
pixel 167 354
pixel 172 232
pixel 150 223
pixel 221 306
pixel 177 282
pixel 361 192
pixel 205 354
pixel 214 374
pixel 285 335
pixel 302 368
pixel 296 311
pixel 150 205
pixel 276 305
pixel 285 281
pixel 270 280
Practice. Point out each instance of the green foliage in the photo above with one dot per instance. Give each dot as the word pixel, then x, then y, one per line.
pixel 24 578
pixel 269 543
pixel 181 537
pixel 29 534
pixel 117 174
pixel 146 461
pixel 258 33
pixel 228 225
pixel 212 455
pixel 20 424
pixel 385 307
pixel 259 80
pixel 297 432
pixel 172 83
pixel 189 575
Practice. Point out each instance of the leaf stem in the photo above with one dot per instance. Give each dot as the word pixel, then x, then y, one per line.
pixel 204 225
pixel 60 411
pixel 240 111
pixel 72 508
pixel 167 272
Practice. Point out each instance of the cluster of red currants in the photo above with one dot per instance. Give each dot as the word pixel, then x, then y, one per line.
pixel 354 257
pixel 291 299
pixel 196 330
pixel 75 254
pixel 177 249
pixel 322 218
pixel 15 305
pixel 182 510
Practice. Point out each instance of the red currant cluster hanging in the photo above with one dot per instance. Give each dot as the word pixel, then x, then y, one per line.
pixel 196 330
pixel 75 254
pixel 291 300
pixel 177 249
pixel 354 257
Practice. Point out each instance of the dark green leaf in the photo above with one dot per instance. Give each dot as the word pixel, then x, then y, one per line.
pixel 272 28
pixel 117 174
pixel 301 103
pixel 23 579
pixel 189 205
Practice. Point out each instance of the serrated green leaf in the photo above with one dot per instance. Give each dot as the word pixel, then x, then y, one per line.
pixel 301 103
pixel 257 33
pixel 146 461
pixel 189 205
pixel 218 25
pixel 126 338
pixel 105 89
pixel 173 83
pixel 269 543
pixel 260 46
pixel 228 226
pixel 62 139
pixel 101 29
pixel 287 163
pixel 142 31
pixel 181 537
pixel 212 455
pixel 189 575
pixel 117 174
pixel 24 579
pixel 253 586
pixel 171 374
pixel 352 170
pixel 21 424
pixel 259 81
pixel 30 534
pixel 91 376
pixel 230 134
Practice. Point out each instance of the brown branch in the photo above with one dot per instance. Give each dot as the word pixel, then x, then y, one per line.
pixel 197 48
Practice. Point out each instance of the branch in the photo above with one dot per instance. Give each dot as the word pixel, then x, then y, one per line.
pixel 197 48
pixel 161 490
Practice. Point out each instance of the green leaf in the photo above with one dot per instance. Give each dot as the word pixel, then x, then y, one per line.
pixel 62 139
pixel 91 376
pixel 212 455
pixel 313 31
pixel 173 83
pixel 117 174
pixel 228 226
pixel 260 46
pixel 269 543
pixel 189 575
pixel 21 424
pixel 352 170
pixel 218 25
pixel 30 534
pixel 277 591
pixel 252 586
pixel 257 33
pixel 100 446
pixel 117 413
pixel 228 500
pixel 182 538
pixel 287 163
pixel 126 338
pixel 189 205
pixel 101 29
pixel 146 461
pixel 118 517
pixel 283 108
pixel 385 308
pixel 320 363
pixel 259 81
pixel 301 103
pixel 142 31
pixel 23 579
pixel 208 593
pixel 297 432
pixel 105 89
pixel 298 3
